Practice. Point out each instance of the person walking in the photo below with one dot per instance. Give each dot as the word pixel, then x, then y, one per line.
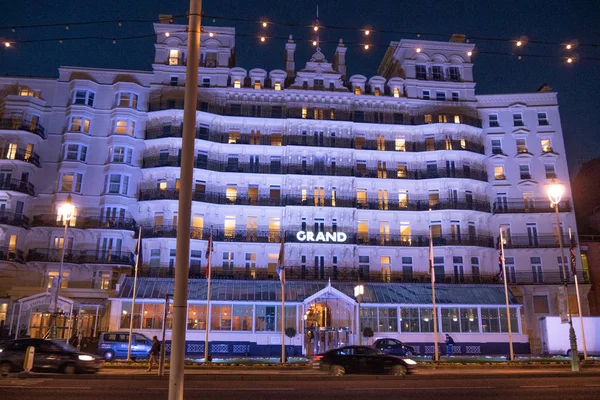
pixel 153 353
pixel 449 345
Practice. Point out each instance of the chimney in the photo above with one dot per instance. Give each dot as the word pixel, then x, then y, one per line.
pixel 290 65
pixel 458 38
pixel 165 18
pixel 339 59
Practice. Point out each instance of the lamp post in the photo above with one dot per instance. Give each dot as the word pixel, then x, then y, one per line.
pixel 555 193
pixel 359 290
pixel 66 211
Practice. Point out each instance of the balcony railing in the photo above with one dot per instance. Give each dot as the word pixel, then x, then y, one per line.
pixel 82 222
pixel 20 155
pixel 22 125
pixel 423 240
pixel 534 241
pixel 82 256
pixel 17 186
pixel 344 274
pixel 11 218
pixel 220 234
pixel 372 172
pixel 538 205
pixel 424 204
pixel 15 255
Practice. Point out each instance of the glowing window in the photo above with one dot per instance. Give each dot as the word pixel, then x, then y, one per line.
pixel 237 83
pixel 396 92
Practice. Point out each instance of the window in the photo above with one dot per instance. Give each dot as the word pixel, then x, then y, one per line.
pixel 455 96
pixel 409 318
pixel 173 57
pixel 540 305
pixel 124 127
pixel 400 144
pixel 205 82
pixel 52 278
pixel 437 72
pixel 385 261
pixel 402 171
pixel 361 197
pixel 154 258
pixel 102 280
pixel 521 146
pixel 421 71
pixel 79 124
pixel 276 139
pixel 450 322
pixel 542 118
pixel 454 74
pixel 277 85
pixel 550 171
pixel 220 318
pixel 475 269
pixel 241 318
pixel 441 96
pixel 237 83
pixel 407 269
pixel 518 120
pixel 229 227
pixel 428 118
pixel 71 182
pixel 120 154
pixel 196 317
pixel 228 257
pixel 257 85
pixel 510 269
pixel 357 90
pixel 536 269
pixel 396 92
pixel 174 81
pixel 363 264
pixel 85 97
pixel 499 172
pixel 546 146
pixel 496 146
pixel 127 99
pixel 524 171
pixel 388 319
pixel 425 94
pixel 265 319
pixel 494 121
pixel 75 152
pixel 116 184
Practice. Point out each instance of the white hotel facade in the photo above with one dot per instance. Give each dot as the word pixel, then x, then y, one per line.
pixel 374 161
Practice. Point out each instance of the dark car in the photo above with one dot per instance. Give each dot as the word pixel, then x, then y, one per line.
pixel 363 359
pixel 394 347
pixel 49 356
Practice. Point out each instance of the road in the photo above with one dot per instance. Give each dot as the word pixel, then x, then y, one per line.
pixel 432 387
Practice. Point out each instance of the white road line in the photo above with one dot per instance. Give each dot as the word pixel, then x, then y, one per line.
pixel 538 386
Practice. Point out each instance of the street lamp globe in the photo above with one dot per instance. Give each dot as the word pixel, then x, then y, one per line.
pixel 555 192
pixel 359 290
pixel 66 210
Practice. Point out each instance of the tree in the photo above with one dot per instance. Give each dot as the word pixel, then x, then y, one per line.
pixel 290 332
pixel 367 332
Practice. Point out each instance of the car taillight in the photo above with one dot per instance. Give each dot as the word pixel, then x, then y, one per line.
pixel 317 358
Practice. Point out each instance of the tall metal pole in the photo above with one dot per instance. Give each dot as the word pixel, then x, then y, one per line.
pixel 358 322
pixel 510 338
pixel 208 310
pixel 135 276
pixel 185 206
pixel 436 351
pixel 579 304
pixel 282 322
pixel 572 336
pixel 163 351
pixel 54 328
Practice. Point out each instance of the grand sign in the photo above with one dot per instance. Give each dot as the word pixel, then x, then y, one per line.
pixel 337 237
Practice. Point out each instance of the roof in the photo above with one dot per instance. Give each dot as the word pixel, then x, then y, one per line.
pixel 298 291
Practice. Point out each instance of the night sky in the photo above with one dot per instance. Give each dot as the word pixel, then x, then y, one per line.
pixel 578 85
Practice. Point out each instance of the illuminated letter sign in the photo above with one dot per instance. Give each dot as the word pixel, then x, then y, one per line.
pixel 338 237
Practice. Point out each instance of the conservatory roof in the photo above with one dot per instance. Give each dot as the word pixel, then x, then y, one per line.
pixel 298 291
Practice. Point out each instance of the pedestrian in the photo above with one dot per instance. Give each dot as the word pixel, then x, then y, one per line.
pixel 449 345
pixel 153 353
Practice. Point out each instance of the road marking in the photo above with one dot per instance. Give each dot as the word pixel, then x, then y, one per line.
pixel 538 387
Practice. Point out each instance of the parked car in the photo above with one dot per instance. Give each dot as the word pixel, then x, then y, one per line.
pixel 365 359
pixel 49 356
pixel 113 345
pixel 394 347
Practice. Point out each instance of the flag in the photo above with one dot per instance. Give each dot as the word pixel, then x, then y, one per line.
pixel 209 250
pixel 430 251
pixel 500 273
pixel 573 256
pixel 280 261
pixel 138 249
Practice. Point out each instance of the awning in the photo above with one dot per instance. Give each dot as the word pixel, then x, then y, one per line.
pixel 298 291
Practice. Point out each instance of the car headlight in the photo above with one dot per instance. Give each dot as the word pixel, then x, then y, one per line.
pixel 84 357
pixel 409 361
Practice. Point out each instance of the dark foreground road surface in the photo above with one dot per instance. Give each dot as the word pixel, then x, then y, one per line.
pixel 346 388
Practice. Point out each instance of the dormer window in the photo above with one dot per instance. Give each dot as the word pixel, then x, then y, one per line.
pixel 237 83
pixel 377 92
pixel 319 83
pixel 357 90
pixel 421 70
pixel 173 57
pixel 127 99
pixel 25 92
pixel 256 84
pixel 454 74
pixel 396 92
pixel 277 85
pixel 304 112
pixel 438 73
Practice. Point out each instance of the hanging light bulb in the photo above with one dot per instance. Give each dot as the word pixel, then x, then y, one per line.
pixel 569 60
pixel 264 24
pixel 314 42
pixel 569 46
pixel 367 32
pixel 315 28
pixel 519 43
pixel 7 44
pixel 262 39
pixel 366 47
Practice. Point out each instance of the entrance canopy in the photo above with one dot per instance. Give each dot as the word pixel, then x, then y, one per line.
pixel 303 291
pixel 43 301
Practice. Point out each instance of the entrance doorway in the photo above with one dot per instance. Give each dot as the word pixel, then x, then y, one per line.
pixel 328 325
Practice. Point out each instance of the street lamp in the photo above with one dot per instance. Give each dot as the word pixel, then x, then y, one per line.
pixel 555 193
pixel 66 211
pixel 359 290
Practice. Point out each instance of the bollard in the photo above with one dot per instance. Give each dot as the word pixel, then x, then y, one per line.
pixel 28 362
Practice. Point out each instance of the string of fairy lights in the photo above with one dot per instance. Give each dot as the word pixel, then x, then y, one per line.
pixel 567 49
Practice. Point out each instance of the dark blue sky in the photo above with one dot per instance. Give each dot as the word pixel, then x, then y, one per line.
pixel 578 85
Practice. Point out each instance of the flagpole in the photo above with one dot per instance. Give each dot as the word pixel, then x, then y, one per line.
pixel 432 272
pixel 135 274
pixel 282 280
pixel 574 268
pixel 510 338
pixel 208 311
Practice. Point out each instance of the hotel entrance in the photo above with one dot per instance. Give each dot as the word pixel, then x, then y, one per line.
pixel 31 317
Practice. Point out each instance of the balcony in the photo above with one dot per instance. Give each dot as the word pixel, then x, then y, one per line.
pixel 339 201
pixel 452 144
pixel 17 186
pixel 423 240
pixel 537 205
pixel 259 235
pixel 81 222
pixel 11 218
pixel 373 172
pixel 20 155
pixel 82 256
pixel 14 255
pixel 22 125
pixel 534 241
pixel 424 204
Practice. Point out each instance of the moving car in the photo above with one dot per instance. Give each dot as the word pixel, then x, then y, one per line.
pixel 49 356
pixel 113 345
pixel 394 347
pixel 363 359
